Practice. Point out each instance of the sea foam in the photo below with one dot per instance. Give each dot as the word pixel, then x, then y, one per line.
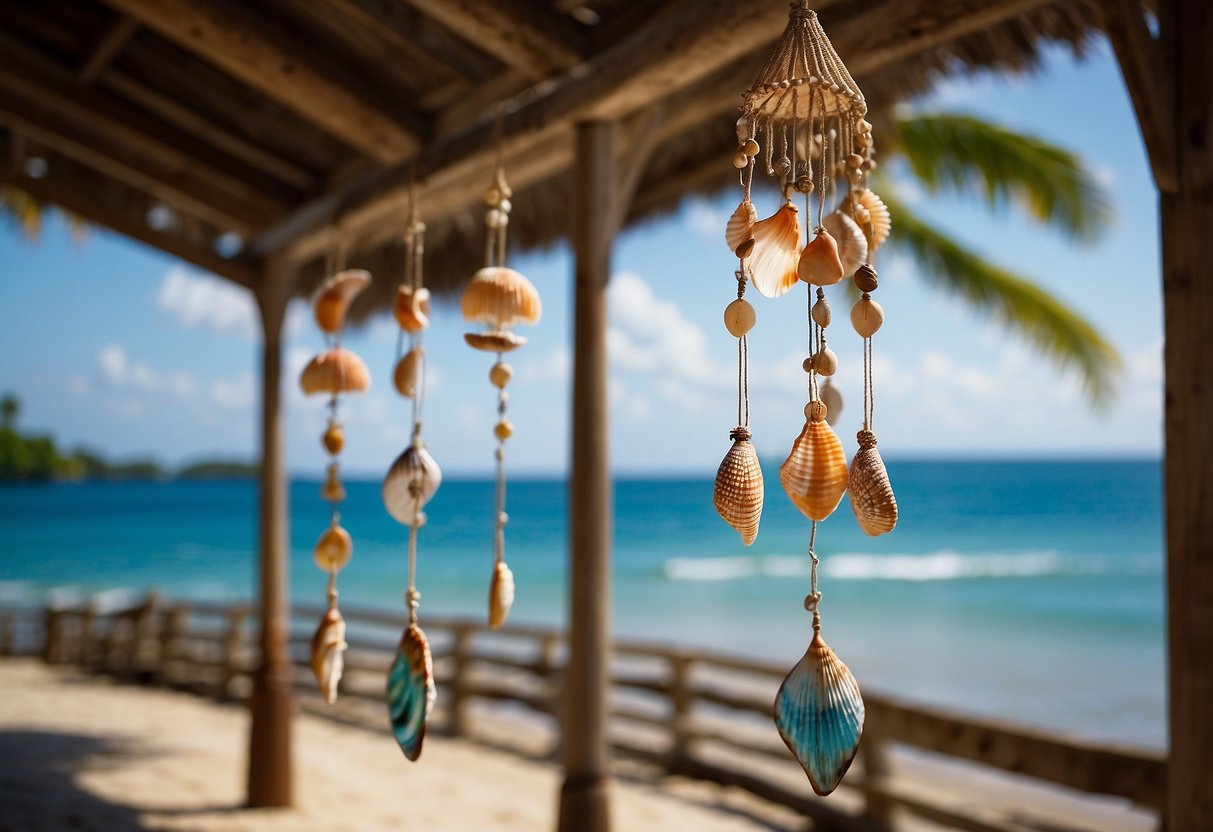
pixel 944 565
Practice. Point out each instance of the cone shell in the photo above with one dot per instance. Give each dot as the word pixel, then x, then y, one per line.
pixel 496 341
pixel 819 713
pixel 411 308
pixel 852 244
pixel 501 594
pixel 410 483
pixel 332 299
pixel 819 262
pixel 335 371
pixel 411 691
pixel 328 645
pixel 815 473
pixel 408 371
pixel 739 489
pixel 776 252
pixel 872 497
pixel 878 216
pixel 741 225
pixel 501 297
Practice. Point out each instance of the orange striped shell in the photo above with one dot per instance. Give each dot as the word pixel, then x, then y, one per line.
pixel 815 473
pixel 501 297
pixel 872 497
pixel 334 296
pixel 738 493
pixel 776 252
pixel 335 371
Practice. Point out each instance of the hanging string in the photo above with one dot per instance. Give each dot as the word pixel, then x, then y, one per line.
pixel 412 596
pixel 499 495
pixel 813 600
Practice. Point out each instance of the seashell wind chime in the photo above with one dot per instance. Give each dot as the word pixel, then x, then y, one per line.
pixel 499 297
pixel 410 483
pixel 334 371
pixel 809 114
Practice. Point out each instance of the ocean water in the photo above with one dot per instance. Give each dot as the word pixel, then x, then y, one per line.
pixel 1029 591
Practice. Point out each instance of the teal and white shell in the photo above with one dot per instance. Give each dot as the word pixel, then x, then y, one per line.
pixel 410 691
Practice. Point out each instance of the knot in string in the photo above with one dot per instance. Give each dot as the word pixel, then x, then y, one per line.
pixel 867 439
pixel 740 433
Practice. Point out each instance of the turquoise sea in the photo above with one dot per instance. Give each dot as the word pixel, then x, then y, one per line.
pixel 1030 591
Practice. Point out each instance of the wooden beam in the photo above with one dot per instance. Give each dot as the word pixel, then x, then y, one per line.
pixel 107 47
pixel 231 42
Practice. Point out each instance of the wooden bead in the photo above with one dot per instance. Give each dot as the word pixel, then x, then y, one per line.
pixel 503 430
pixel 854 161
pixel 740 160
pixel 815 411
pixel 750 147
pixel 867 316
pixel 824 362
pixel 745 249
pixel 500 374
pixel 865 278
pixel 505 206
pixel 821 313
pixel 334 439
pixel 492 196
pixel 739 317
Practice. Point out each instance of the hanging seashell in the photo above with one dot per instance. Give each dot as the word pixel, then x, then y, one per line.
pixel 411 691
pixel 408 372
pixel 872 497
pixel 332 299
pixel 867 316
pixel 496 341
pixel 852 244
pixel 819 263
pixel 412 308
pixel 741 224
pixel 776 252
pixel 877 216
pixel 335 371
pixel 739 317
pixel 333 490
pixel 328 645
pixel 333 439
pixel 500 374
pixel 819 713
pixel 739 491
pixel 501 297
pixel 815 473
pixel 410 483
pixel 334 548
pixel 501 594
pixel 832 399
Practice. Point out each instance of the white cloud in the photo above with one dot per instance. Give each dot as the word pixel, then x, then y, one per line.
pixel 705 219
pixel 205 302
pixel 556 367
pixel 112 360
pixel 237 393
pixel 118 370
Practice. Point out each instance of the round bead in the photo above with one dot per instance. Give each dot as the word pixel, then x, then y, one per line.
pixel 869 164
pixel 334 439
pixel 815 411
pixel 503 430
pixel 505 206
pixel 865 278
pixel 500 374
pixel 807 364
pixel 825 362
pixel 739 317
pixel 821 313
pixel 495 218
pixel 745 249
pixel 492 196
pixel 740 160
pixel 804 184
pixel 783 166
pixel 750 147
pixel 333 549
pixel 866 317
pixel 854 161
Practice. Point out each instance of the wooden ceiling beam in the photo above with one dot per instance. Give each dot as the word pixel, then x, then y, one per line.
pixel 232 42
pixel 107 47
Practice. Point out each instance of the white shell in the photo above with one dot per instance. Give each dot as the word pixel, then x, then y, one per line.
pixel 740 225
pixel 328 645
pixel 776 254
pixel 410 483
pixel 852 244
pixel 501 594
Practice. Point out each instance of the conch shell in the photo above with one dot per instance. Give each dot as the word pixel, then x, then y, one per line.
pixel 738 493
pixel 501 594
pixel 867 209
pixel 408 372
pixel 410 483
pixel 333 298
pixel 776 252
pixel 496 341
pixel 815 473
pixel 871 493
pixel 852 244
pixel 501 297
pixel 819 713
pixel 412 308
pixel 335 371
pixel 819 262
pixel 741 225
pixel 328 645
pixel 411 691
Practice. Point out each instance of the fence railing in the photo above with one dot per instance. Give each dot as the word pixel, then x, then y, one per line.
pixel 692 713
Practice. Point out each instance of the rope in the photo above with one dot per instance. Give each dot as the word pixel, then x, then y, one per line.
pixel 500 517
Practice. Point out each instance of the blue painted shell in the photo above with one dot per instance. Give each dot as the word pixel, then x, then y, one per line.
pixel 819 713
pixel 411 691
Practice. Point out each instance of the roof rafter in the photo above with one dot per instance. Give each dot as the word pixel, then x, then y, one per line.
pixel 108 45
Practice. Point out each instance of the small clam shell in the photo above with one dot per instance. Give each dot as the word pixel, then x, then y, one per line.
pixel 335 371
pixel 738 493
pixel 878 216
pixel 408 372
pixel 776 252
pixel 328 645
pixel 815 473
pixel 852 244
pixel 496 341
pixel 412 308
pixel 501 297
pixel 332 300
pixel 333 549
pixel 741 224
pixel 333 490
pixel 872 497
pixel 819 713
pixel 411 691
pixel 410 483
pixel 819 263
pixel 501 594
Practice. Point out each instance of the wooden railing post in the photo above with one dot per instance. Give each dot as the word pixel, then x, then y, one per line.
pixel 682 698
pixel 7 638
pixel 172 638
pixel 52 646
pixel 233 649
pixel 144 647
pixel 876 771
pixel 460 658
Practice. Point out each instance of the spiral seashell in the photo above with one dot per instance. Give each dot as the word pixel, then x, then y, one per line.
pixel 501 297
pixel 328 645
pixel 819 712
pixel 739 492
pixel 411 691
pixel 819 262
pixel 495 341
pixel 335 371
pixel 332 300
pixel 852 244
pixel 333 549
pixel 815 473
pixel 741 224
pixel 501 594
pixel 410 483
pixel 408 372
pixel 411 309
pixel 877 215
pixel 872 497
pixel 776 252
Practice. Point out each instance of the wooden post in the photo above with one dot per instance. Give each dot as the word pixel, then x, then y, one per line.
pixel 682 697
pixel 269 760
pixel 457 718
pixel 585 796
pixel 233 650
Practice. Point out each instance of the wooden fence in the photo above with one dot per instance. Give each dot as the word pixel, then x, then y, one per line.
pixel 691 713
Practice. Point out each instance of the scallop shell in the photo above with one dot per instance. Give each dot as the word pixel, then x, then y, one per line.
pixel 496 341
pixel 819 262
pixel 852 244
pixel 501 297
pixel 776 252
pixel 411 691
pixel 815 473
pixel 819 712
pixel 878 213
pixel 335 371
pixel 412 308
pixel 872 497
pixel 332 299
pixel 410 483
pixel 738 493
pixel 328 645
pixel 741 224
pixel 408 372
pixel 501 594
pixel 832 399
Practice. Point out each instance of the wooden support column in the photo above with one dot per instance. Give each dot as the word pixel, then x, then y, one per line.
pixel 269 760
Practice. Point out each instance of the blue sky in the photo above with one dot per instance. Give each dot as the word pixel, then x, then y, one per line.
pixel 113 345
